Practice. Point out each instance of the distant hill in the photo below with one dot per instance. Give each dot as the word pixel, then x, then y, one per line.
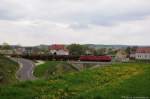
pixel 99 46
pixel 96 46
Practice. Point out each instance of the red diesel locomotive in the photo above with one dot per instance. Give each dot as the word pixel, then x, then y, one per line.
pixel 96 58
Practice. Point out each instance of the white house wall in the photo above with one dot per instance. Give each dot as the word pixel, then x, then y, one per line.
pixel 62 52
pixel 59 52
pixel 145 56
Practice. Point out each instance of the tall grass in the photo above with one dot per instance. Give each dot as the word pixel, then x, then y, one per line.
pixel 128 79
pixel 8 70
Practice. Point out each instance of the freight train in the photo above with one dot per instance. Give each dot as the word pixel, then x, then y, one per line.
pixel 95 58
pixel 67 57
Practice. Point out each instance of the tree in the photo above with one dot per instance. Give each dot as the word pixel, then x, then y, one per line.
pixel 133 49
pixel 95 53
pixel 6 46
pixel 77 49
pixel 128 50
pixel 100 52
pixel 111 51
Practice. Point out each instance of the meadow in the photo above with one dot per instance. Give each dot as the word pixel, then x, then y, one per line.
pixel 116 81
pixel 8 70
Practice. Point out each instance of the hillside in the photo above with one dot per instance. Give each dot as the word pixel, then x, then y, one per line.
pixel 100 46
pixel 51 68
pixel 113 82
pixel 8 70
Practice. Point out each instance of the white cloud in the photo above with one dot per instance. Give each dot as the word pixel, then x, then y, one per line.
pixel 32 22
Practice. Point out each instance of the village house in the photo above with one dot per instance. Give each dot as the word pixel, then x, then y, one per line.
pixel 32 51
pixel 17 49
pixel 143 53
pixel 6 51
pixel 121 56
pixel 58 49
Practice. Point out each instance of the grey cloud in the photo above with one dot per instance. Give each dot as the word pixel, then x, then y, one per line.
pixel 78 26
pixel 98 18
pixel 45 20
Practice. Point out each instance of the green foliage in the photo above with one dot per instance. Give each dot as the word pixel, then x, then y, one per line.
pixel 112 52
pixel 77 49
pixel 5 46
pixel 100 52
pixel 112 82
pixel 136 86
pixel 41 70
pixel 8 70
pixel 52 68
pixel 130 49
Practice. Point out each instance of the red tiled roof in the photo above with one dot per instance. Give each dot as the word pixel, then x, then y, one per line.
pixel 57 47
pixel 143 50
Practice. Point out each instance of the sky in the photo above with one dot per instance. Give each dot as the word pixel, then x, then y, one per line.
pixel 34 22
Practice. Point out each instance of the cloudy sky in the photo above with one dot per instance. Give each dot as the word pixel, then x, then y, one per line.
pixel 33 22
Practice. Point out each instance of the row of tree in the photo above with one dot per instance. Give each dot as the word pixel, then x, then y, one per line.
pixel 5 46
pixel 77 49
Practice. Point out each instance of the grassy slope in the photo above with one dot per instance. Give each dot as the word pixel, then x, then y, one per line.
pixel 8 70
pixel 50 68
pixel 104 83
pixel 136 86
pixel 41 70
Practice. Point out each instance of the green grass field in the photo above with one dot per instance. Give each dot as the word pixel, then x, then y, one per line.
pixel 42 69
pixel 112 82
pixel 51 68
pixel 8 70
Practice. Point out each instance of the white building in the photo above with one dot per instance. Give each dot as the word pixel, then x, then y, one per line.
pixel 58 50
pixel 6 52
pixel 142 54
